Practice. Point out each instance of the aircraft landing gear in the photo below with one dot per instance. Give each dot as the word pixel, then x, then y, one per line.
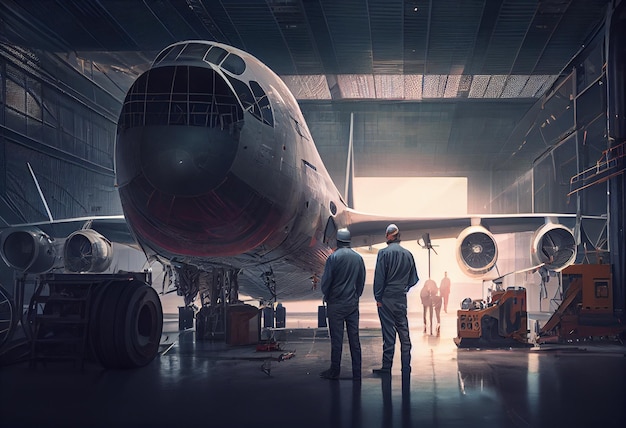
pixel 218 290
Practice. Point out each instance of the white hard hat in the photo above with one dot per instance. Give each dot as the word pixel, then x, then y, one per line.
pixel 392 229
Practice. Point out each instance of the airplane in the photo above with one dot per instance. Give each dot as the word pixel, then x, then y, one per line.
pixel 218 175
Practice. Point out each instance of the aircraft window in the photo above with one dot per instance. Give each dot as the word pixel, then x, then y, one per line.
pixel 246 97
pixel 263 102
pixel 298 129
pixel 199 82
pixel 215 55
pixel 266 112
pixel 256 112
pixel 172 53
pixel 243 93
pixel 200 110
pixel 160 80
pixel 180 80
pixel 139 87
pixel 163 54
pixel 158 88
pixel 333 208
pixel 157 109
pixel 183 96
pixel 234 64
pixel 178 113
pixel 133 114
pixel 193 51
pixel 256 89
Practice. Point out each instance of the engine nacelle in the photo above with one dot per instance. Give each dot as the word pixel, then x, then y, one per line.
pixel 476 251
pixel 29 250
pixel 554 245
pixel 87 251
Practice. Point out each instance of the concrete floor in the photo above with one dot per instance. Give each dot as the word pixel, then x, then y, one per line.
pixel 197 383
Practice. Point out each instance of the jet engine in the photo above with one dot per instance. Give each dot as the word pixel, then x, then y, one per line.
pixel 29 249
pixel 554 245
pixel 477 251
pixel 87 251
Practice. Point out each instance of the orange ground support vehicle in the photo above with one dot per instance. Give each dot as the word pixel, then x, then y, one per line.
pixel 586 311
pixel 502 321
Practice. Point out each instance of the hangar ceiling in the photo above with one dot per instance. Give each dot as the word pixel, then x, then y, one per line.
pixel 461 74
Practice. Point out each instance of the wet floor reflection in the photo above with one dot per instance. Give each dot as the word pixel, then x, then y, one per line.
pixel 345 411
pixel 199 383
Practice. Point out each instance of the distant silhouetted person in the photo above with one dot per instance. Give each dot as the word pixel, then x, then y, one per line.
pixel 342 285
pixel 444 290
pixel 427 295
pixel 437 301
pixel 394 275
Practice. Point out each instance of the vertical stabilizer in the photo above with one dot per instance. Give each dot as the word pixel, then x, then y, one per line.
pixel 349 191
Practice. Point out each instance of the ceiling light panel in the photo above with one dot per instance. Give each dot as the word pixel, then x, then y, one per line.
pixel 308 87
pixel 389 86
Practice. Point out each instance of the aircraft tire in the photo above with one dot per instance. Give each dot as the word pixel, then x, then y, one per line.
pixel 101 321
pixel 126 325
pixel 7 316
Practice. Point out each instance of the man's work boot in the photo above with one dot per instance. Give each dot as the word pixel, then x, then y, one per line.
pixel 329 374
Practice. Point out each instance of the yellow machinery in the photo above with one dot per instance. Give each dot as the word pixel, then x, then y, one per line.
pixel 586 310
pixel 502 321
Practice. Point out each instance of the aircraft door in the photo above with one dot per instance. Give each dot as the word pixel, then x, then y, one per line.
pixel 330 232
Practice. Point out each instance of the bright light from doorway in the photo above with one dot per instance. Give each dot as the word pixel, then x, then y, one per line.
pixel 411 196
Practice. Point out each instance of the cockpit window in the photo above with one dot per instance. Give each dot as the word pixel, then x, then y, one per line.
pixel 163 54
pixel 257 90
pixel 170 55
pixel 193 51
pixel 255 102
pixel 180 95
pixel 263 102
pixel 234 64
pixel 215 55
pixel 245 96
pixel 195 95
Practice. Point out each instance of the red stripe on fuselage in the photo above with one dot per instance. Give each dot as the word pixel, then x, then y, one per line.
pixel 232 219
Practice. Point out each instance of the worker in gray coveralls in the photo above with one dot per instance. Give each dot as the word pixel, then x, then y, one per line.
pixel 342 285
pixel 394 275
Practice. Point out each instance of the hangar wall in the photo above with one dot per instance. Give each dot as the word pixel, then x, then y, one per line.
pixel 567 128
pixel 616 116
pixel 64 126
pixel 580 124
pixel 396 139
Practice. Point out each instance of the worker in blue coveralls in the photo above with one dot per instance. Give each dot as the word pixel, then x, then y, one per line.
pixel 394 275
pixel 342 284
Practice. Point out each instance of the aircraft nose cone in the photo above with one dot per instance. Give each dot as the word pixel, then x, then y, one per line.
pixel 186 161
pixel 178 131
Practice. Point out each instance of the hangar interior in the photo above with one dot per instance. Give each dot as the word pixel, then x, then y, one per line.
pixel 523 98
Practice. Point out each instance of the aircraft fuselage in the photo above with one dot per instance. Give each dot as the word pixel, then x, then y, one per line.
pixel 215 163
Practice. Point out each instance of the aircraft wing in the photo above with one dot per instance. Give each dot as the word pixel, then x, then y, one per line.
pixel 368 229
pixel 554 243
